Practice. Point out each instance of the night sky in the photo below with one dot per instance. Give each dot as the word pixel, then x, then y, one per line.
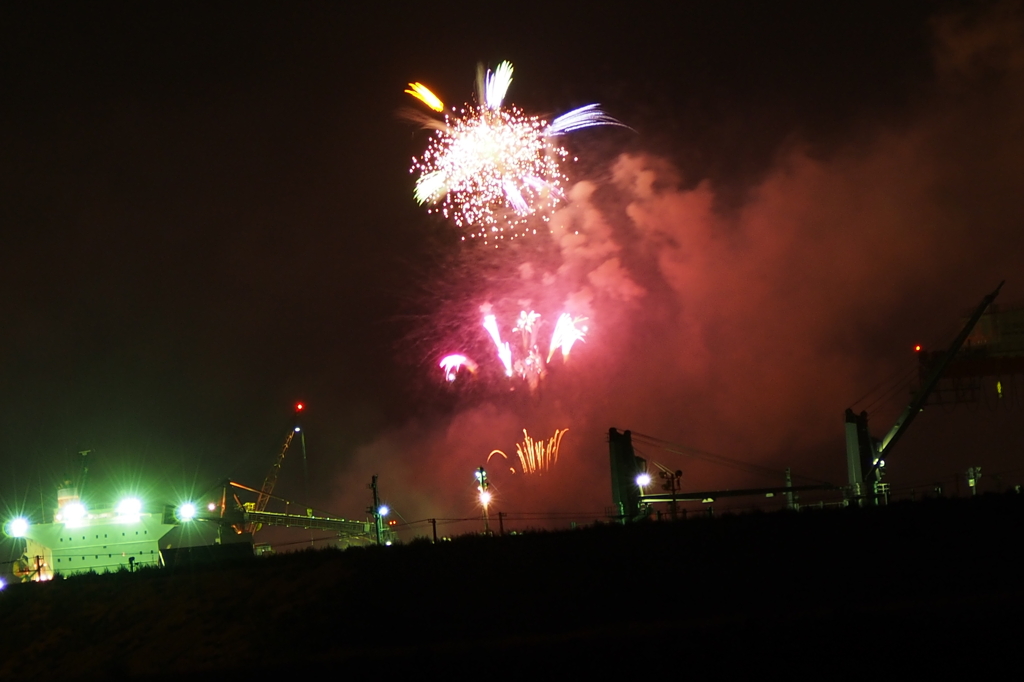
pixel 207 216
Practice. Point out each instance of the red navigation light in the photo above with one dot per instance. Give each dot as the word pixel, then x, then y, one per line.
pixel 299 407
pixel 917 348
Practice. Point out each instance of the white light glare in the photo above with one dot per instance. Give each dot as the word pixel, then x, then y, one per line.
pixel 73 513
pixel 130 506
pixel 643 480
pixel 18 527
pixel 383 510
pixel 187 511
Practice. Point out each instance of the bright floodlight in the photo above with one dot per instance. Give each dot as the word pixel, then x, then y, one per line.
pixel 74 511
pixel 383 510
pixel 18 527
pixel 643 480
pixel 187 512
pixel 485 497
pixel 130 506
pixel 211 506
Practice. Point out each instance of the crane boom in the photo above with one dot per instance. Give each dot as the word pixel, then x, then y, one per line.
pixel 900 427
pixel 861 453
pixel 267 491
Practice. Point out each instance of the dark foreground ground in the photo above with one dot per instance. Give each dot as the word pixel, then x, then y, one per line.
pixel 914 587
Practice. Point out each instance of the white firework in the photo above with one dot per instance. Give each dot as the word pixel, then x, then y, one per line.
pixel 490 168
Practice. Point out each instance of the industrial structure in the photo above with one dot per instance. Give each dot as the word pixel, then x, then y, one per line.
pixel 128 536
pixel 78 539
pixel 237 521
pixel 866 456
pixel 631 480
pixel 989 345
pixel 989 366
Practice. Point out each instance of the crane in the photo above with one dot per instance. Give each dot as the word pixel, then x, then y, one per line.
pixel 865 456
pixel 266 492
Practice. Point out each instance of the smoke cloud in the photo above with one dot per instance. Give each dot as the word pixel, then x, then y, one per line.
pixel 747 330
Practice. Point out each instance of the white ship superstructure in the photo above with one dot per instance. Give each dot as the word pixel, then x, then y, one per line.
pixel 80 540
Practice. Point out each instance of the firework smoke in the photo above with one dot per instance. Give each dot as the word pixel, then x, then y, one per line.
pixel 746 327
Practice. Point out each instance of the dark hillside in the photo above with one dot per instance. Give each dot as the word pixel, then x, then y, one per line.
pixel 914 584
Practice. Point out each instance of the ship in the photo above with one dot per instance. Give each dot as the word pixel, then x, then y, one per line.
pixel 82 540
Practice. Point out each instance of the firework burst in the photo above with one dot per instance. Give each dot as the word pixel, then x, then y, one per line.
pixel 504 351
pixel 540 455
pixel 451 364
pixel 491 167
pixel 567 332
pixel 512 470
pixel 530 366
pixel 528 362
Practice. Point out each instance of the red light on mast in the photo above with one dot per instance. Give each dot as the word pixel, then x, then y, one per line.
pixel 917 348
pixel 299 407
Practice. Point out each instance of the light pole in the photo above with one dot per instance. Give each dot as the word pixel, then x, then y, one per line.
pixel 672 484
pixel 485 496
pixel 643 479
pixel 378 510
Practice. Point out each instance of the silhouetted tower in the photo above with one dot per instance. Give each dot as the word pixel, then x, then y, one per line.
pixel 626 466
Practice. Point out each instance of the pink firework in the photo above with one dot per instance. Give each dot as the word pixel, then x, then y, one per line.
pixel 504 352
pixel 525 358
pixel 567 332
pixel 451 364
